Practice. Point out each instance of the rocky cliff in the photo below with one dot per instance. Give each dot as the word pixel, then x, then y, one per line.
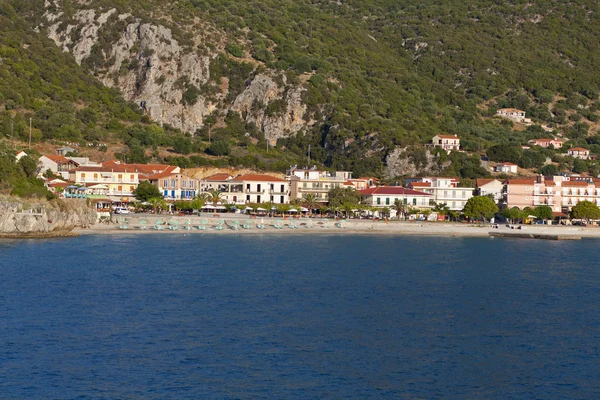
pixel 166 70
pixel 20 218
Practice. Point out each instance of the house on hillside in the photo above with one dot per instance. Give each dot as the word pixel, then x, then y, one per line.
pixel 514 115
pixel 446 142
pixel 59 165
pixel 579 152
pixel 486 187
pixel 507 168
pixel 546 143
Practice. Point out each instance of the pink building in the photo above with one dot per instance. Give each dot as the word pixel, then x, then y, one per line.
pixel 545 142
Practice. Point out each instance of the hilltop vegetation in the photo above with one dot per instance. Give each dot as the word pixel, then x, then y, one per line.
pixel 377 75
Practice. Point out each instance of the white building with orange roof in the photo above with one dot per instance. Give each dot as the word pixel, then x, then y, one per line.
pixel 446 142
pixel 120 180
pixel 489 187
pixel 386 196
pixel 444 190
pixel 506 168
pixel 260 188
pixel 59 165
pixel 579 152
pixel 317 182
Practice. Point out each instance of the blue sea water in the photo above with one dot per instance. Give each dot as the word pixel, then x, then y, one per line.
pixel 299 317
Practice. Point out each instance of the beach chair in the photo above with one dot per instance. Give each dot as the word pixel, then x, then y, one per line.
pixel 219 226
pixel 174 225
pixel 123 224
pixel 158 225
pixel 292 225
pixel 235 225
pixel 278 224
pixel 260 226
pixel 143 224
pixel 202 225
pixel 246 225
pixel 309 224
pixel 340 224
pixel 325 223
pixel 188 225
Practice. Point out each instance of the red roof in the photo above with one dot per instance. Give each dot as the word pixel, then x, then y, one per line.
pixel 348 183
pixel 60 159
pixel 578 149
pixel 397 190
pixel 420 184
pixel 217 177
pixel 258 178
pixel 483 181
pixel 522 181
pixel 447 136
pixel 576 184
pixel 116 168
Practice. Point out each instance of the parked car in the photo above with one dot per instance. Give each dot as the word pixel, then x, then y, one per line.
pixel 122 210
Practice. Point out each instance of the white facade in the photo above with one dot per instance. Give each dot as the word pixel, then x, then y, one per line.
pixel 445 191
pixel 319 183
pixel 446 142
pixel 507 168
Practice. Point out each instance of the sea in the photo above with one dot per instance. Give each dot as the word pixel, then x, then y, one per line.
pixel 200 316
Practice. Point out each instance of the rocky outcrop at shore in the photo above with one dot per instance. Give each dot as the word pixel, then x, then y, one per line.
pixel 25 218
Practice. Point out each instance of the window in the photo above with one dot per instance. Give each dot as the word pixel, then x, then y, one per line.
pixel 258 199
pixel 120 188
pixel 464 194
pixel 281 200
pixel 83 176
pixel 131 178
pixel 379 200
pixel 304 185
pixel 131 188
pixel 172 182
pixel 183 183
pixel 387 201
pixel 248 197
pixel 95 177
pixel 445 193
pixel 166 183
pixel 454 194
pixel 191 184
pixel 258 189
pixel 120 177
pixel 282 188
pixel 414 201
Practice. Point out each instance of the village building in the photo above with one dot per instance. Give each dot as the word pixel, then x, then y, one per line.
pixel 258 188
pixel 558 192
pixel 63 151
pixel 58 165
pixel 444 190
pixel 319 183
pixel 446 142
pixel 20 154
pixel 489 187
pixel 120 181
pixel 513 114
pixel 546 143
pixel 386 196
pixel 506 168
pixel 175 185
pixel 579 152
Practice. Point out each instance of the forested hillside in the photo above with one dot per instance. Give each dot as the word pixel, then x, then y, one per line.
pixel 356 80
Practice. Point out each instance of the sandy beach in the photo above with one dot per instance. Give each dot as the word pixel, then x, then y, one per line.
pixel 232 224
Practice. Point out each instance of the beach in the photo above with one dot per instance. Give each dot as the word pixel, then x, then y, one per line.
pixel 234 224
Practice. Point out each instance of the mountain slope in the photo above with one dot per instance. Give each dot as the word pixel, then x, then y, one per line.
pixel 354 79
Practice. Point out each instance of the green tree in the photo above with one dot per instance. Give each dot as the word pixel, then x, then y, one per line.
pixel 146 191
pixel 512 214
pixel 480 207
pixel 585 210
pixel 543 212
pixel 310 200
pixel 339 196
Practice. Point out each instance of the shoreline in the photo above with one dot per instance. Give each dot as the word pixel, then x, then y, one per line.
pixel 352 227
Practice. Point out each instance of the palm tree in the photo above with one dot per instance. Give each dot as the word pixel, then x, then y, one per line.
pixel 347 208
pixel 400 208
pixel 158 204
pixel 283 208
pixel 311 202
pixel 215 197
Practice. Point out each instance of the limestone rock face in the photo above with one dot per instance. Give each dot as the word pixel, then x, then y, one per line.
pixel 21 218
pixel 168 77
pixel 399 163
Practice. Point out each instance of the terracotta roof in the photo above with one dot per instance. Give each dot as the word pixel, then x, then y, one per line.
pixel 578 149
pixel 483 181
pixel 58 184
pixel 549 183
pixel 59 159
pixel 522 181
pixel 348 183
pixel 576 184
pixel 258 178
pixel 510 110
pixel 508 164
pixel 447 136
pixel 420 184
pixel 116 168
pixel 217 177
pixel 397 190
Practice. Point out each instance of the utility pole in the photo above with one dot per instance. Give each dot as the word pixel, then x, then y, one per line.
pixel 209 132
pixel 30 132
pixel 308 165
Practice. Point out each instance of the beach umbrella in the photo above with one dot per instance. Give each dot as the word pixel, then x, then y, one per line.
pixel 221 208
pixel 261 209
pixel 249 208
pixel 292 210
pixel 304 209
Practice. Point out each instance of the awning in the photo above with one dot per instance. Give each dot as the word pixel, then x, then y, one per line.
pixel 261 209
pixel 292 210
